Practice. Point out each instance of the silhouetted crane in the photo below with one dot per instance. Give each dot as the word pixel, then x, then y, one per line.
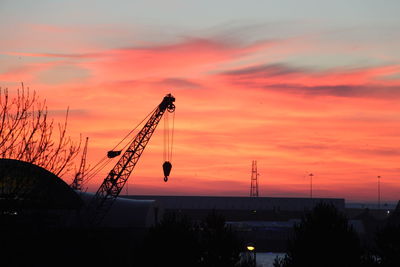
pixel 117 177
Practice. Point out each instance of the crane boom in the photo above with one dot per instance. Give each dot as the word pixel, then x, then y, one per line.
pixel 117 177
pixel 77 182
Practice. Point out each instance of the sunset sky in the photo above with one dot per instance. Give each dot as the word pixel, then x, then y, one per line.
pixel 300 86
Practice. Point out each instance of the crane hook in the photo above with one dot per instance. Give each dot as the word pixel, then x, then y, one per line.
pixel 167 166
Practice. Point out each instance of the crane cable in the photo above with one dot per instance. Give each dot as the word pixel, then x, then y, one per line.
pixel 105 160
pixel 168 137
pixel 168 144
pixel 172 134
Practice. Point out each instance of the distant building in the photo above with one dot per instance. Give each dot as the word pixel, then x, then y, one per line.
pixel 241 208
pixel 266 221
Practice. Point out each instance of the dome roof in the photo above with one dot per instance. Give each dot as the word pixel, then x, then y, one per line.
pixel 28 186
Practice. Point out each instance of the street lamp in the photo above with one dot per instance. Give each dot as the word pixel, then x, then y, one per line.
pixel 311 176
pixel 252 248
pixel 379 192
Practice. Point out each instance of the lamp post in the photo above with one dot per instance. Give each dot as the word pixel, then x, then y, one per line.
pixel 379 192
pixel 311 176
pixel 252 248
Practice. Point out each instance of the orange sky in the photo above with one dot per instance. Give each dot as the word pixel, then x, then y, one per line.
pixel 297 104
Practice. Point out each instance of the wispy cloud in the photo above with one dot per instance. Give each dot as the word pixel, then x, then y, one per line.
pixel 277 69
pixel 374 91
pixel 57 55
pixel 180 83
pixel 359 82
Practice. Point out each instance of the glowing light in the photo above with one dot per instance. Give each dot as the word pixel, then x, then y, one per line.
pixel 250 247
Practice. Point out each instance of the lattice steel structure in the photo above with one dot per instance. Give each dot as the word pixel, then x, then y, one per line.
pixel 254 180
pixel 78 179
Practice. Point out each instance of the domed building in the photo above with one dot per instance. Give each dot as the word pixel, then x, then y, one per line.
pixel 29 194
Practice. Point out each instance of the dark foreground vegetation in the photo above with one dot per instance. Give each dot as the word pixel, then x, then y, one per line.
pixel 322 238
pixel 175 241
pixel 325 238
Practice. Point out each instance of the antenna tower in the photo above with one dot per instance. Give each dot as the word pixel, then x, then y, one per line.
pixel 254 180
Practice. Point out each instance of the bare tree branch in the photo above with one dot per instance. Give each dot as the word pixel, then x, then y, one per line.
pixel 27 134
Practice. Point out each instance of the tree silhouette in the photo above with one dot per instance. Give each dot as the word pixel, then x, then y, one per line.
pixel 27 134
pixel 388 244
pixel 323 238
pixel 220 246
pixel 177 241
pixel 173 242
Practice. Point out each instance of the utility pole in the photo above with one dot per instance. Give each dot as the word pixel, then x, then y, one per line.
pixel 379 192
pixel 254 180
pixel 311 176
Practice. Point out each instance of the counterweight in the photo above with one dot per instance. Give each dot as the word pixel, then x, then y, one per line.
pixel 117 177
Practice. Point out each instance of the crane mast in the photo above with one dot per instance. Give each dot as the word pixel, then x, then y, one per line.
pixel 117 177
pixel 77 182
